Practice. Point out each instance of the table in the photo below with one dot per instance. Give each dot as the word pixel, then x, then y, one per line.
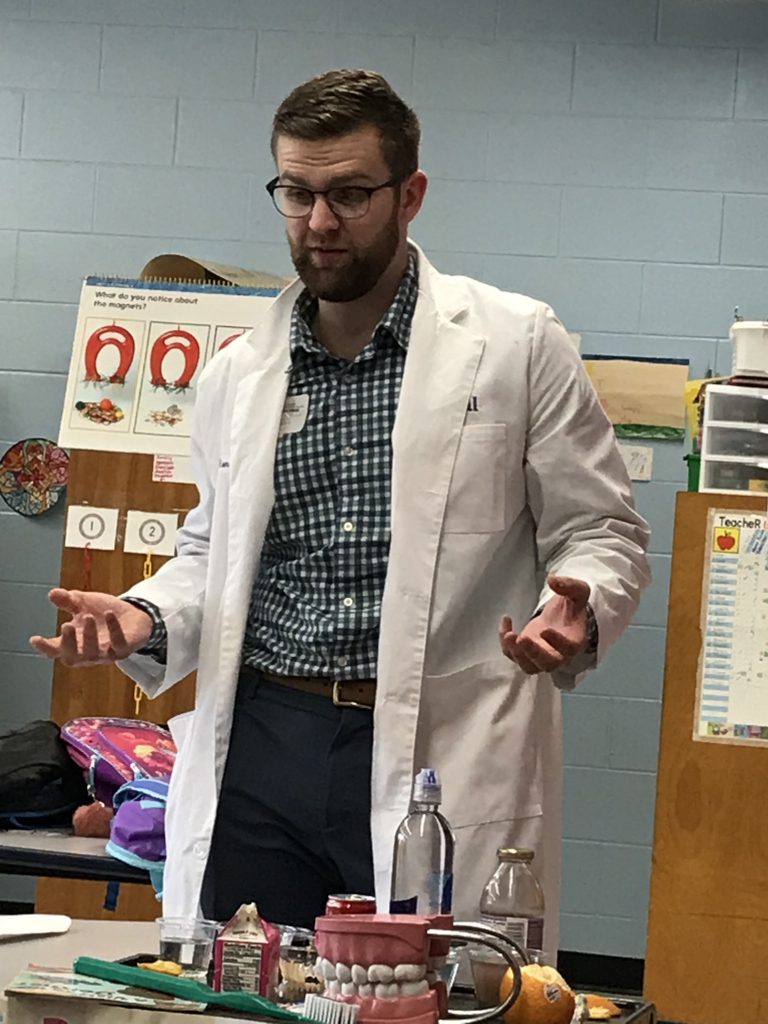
pixel 59 854
pixel 112 940
pixel 109 940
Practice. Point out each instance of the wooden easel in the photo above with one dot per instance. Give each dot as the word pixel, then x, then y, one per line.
pixel 707 954
pixel 123 481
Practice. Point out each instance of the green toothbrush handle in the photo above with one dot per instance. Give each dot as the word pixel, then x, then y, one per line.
pixel 182 988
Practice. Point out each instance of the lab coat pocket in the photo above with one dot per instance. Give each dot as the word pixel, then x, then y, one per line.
pixel 476 498
pixel 477 727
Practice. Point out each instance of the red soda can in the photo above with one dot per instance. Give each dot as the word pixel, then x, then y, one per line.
pixel 349 903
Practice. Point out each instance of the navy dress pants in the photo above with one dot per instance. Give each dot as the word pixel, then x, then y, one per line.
pixel 293 819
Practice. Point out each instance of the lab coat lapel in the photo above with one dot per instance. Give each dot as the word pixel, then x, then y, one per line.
pixel 255 422
pixel 440 370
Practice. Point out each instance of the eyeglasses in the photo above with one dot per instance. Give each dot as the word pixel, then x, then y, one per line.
pixel 346 201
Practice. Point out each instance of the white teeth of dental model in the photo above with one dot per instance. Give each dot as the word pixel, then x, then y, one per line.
pixel 379 980
pixel 410 972
pixel 431 977
pixel 359 975
pixel 413 988
pixel 343 973
pixel 384 991
pixel 382 973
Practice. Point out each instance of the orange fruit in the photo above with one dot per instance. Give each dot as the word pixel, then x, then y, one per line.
pixel 545 997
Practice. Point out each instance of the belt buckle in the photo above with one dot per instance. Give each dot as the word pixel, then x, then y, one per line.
pixel 339 703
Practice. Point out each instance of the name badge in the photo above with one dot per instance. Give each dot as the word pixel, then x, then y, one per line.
pixel 294 414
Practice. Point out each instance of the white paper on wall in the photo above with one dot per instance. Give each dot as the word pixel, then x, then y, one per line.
pixel 638 459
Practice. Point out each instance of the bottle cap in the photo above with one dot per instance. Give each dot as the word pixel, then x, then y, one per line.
pixel 514 853
pixel 427 788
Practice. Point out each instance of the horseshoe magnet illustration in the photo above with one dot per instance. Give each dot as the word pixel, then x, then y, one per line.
pixel 230 339
pixel 176 339
pixel 123 341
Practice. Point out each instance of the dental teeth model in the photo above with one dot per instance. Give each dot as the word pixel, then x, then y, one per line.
pixel 384 963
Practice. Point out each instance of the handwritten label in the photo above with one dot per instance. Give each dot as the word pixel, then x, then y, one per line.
pixel 294 414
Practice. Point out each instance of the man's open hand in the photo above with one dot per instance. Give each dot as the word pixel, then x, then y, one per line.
pixel 103 629
pixel 553 638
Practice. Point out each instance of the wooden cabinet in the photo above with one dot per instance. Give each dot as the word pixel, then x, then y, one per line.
pixel 123 481
pixel 708 922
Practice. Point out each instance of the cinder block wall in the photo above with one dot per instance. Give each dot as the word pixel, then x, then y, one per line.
pixel 607 155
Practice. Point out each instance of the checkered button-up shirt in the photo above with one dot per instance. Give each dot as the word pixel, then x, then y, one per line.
pixel 316 601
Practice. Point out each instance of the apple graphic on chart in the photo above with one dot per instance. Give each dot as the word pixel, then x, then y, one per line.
pixel 725 541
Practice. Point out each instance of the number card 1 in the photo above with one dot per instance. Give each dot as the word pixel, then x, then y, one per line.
pixel 91 527
pixel 150 531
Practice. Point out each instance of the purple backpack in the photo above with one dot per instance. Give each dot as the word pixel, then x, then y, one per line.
pixel 112 751
pixel 138 828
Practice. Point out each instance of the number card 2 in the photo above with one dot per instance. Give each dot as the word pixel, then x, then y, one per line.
pixel 153 532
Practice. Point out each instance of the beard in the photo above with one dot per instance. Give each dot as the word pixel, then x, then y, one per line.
pixel 357 275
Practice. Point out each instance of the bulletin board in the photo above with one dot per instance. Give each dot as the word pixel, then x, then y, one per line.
pixel 708 915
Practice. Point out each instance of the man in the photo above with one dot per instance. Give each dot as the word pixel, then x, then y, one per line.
pixel 414 527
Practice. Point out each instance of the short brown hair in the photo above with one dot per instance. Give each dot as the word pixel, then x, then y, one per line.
pixel 342 101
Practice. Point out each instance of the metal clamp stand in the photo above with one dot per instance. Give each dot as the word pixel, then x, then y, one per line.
pixel 469 931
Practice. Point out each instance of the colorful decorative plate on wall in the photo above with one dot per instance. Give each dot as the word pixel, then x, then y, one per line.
pixel 33 475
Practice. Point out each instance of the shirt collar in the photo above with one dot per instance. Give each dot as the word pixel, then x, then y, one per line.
pixel 396 322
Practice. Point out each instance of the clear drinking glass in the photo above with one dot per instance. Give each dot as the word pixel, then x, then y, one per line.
pixel 188 941
pixel 449 968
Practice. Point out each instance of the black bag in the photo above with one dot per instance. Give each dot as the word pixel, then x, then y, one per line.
pixel 40 784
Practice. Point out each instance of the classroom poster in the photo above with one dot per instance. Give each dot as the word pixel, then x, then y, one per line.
pixel 643 397
pixel 138 353
pixel 732 690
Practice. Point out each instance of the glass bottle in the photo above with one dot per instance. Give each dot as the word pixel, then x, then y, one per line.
pixel 513 900
pixel 422 868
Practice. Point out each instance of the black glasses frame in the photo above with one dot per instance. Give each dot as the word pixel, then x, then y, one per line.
pixel 274 185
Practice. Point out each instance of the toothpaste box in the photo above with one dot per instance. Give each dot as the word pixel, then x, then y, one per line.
pixel 247 954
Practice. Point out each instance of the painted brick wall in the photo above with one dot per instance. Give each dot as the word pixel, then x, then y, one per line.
pixel 607 155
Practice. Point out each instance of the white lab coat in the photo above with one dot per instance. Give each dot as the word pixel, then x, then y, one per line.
pixel 504 469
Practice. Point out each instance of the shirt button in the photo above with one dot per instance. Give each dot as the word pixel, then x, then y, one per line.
pixel 348 602
pixel 342 661
pixel 348 526
pixel 349 451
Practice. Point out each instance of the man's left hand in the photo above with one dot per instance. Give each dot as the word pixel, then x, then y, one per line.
pixel 554 637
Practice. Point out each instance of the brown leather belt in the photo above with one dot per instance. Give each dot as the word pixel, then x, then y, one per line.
pixel 345 693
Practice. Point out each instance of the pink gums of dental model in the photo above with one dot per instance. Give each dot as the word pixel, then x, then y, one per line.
pixel 388 940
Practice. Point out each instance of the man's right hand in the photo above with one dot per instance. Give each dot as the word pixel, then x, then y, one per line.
pixel 103 629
